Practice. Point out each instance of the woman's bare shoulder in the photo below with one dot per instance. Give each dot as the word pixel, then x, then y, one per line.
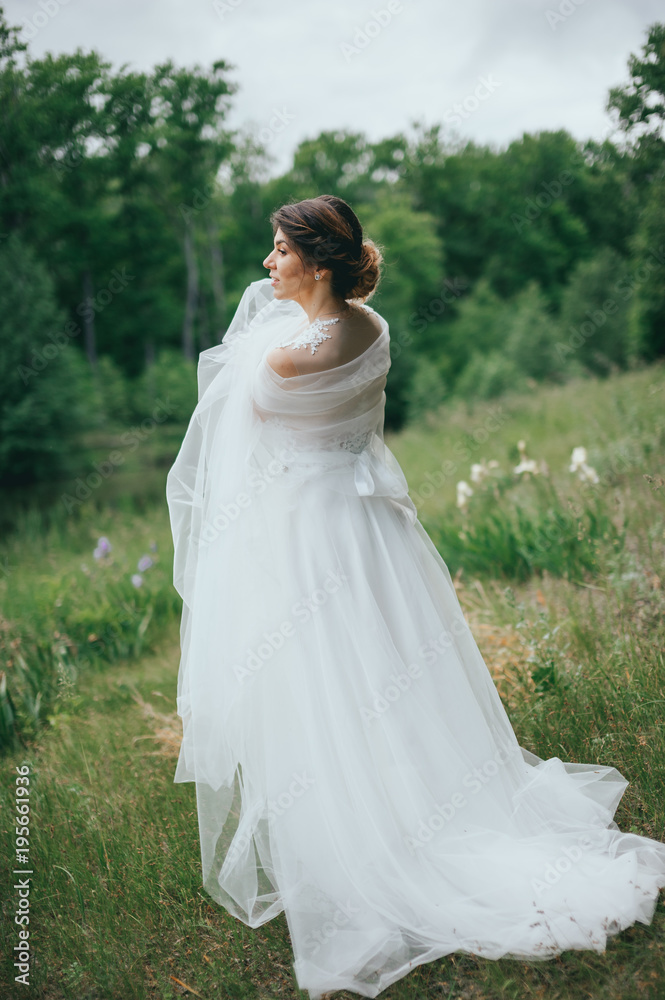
pixel 347 340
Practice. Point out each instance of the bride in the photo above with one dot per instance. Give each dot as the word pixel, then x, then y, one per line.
pixel 353 763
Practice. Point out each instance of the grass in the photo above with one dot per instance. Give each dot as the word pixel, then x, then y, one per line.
pixel 118 910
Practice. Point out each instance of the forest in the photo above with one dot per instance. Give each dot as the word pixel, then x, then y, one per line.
pixel 132 218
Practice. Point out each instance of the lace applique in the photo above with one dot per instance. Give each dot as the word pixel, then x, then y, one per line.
pixel 313 335
pixel 357 442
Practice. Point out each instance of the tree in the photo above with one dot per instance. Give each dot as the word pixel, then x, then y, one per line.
pixel 188 146
pixel 639 106
pixel 46 392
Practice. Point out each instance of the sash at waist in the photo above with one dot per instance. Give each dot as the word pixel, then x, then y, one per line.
pixel 338 465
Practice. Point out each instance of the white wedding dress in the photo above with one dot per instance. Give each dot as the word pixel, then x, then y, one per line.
pixel 354 764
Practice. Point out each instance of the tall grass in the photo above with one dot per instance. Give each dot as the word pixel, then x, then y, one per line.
pixel 64 611
pixel 573 634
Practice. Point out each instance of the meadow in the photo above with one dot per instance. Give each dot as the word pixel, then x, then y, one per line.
pixel 560 574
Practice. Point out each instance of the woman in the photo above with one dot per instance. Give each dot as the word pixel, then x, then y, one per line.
pixel 354 765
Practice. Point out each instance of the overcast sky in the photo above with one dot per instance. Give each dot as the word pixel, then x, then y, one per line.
pixel 302 66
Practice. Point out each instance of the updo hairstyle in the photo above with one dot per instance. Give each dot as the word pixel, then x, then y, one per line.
pixel 325 232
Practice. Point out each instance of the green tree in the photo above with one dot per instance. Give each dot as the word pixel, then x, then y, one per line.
pixel 639 106
pixel 46 393
pixel 594 314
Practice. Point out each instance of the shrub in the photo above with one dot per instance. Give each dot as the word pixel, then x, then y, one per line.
pixel 171 379
pixel 489 375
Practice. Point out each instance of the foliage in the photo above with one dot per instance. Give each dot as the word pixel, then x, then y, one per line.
pixel 151 217
pixel 171 382
pixel 507 535
pixel 46 392
pixel 90 612
pixel 594 314
pixel 489 375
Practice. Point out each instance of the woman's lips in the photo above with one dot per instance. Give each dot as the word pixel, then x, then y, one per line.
pixel 274 281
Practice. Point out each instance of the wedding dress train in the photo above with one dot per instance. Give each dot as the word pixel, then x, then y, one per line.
pixel 354 765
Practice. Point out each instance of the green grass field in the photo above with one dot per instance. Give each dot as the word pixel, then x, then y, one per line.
pixel 565 591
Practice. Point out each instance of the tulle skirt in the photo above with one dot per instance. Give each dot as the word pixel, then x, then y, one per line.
pixel 355 767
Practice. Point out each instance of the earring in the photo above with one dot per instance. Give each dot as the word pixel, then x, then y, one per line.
pixel 317 277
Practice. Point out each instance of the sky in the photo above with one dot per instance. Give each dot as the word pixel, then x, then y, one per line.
pixel 487 70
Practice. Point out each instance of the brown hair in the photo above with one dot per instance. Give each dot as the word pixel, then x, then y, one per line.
pixel 326 231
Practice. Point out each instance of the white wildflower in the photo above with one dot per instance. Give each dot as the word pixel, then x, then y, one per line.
pixel 578 464
pixel 527 466
pixel 478 472
pixel 464 491
pixel 578 459
pixel 481 470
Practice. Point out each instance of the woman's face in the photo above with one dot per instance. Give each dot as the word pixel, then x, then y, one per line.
pixel 288 274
